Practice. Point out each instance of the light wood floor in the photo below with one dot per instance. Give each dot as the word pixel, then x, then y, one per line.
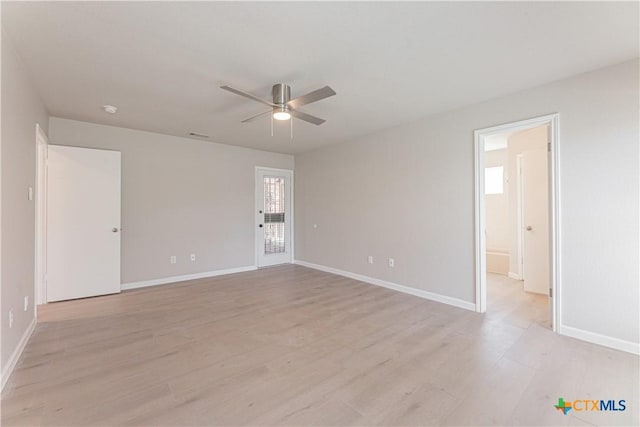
pixel 293 346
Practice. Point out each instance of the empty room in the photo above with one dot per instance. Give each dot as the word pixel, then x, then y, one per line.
pixel 320 213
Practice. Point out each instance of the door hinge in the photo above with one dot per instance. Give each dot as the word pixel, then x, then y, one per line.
pixel 550 292
pixel 549 147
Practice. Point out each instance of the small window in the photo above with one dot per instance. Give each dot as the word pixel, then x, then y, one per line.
pixel 493 180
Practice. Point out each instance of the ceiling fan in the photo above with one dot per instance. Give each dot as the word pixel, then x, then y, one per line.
pixel 283 107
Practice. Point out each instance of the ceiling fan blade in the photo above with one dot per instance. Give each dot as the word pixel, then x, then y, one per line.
pixel 307 117
pixel 314 96
pixel 247 95
pixel 257 116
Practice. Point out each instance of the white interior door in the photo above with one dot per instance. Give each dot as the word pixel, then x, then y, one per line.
pixel 83 223
pixel 273 216
pixel 535 221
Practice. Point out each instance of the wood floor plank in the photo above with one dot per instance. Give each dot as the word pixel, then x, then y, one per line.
pixel 290 345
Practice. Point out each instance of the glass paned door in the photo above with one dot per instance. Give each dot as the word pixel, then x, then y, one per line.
pixel 273 200
pixel 274 214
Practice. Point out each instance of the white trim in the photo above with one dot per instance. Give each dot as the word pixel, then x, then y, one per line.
pixel 479 224
pixel 390 285
pixel 40 288
pixel 15 356
pixel 554 186
pixel 174 279
pixel 519 219
pixel 604 340
pixel 554 178
pixel 514 276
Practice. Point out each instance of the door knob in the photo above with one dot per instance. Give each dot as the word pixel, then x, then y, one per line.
pixel 114 229
pixel 260 226
pixel 529 228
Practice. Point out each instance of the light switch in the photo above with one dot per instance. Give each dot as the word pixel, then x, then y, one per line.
pixel 30 193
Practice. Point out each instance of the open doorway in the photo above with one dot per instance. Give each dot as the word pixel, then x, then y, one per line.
pixel 516 221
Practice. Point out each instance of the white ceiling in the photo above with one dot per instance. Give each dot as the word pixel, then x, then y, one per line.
pixel 161 63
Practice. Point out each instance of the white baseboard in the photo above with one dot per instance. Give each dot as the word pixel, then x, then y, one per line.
pixel 604 340
pixel 15 356
pixel 514 276
pixel 396 287
pixel 174 279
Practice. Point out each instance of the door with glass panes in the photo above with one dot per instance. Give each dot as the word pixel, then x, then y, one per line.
pixel 273 216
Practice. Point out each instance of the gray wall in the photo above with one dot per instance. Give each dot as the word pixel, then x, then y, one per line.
pixel 21 110
pixel 179 196
pixel 408 193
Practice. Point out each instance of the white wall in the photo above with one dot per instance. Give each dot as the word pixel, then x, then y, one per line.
pixel 497 206
pixel 407 193
pixel 21 110
pixel 497 217
pixel 179 196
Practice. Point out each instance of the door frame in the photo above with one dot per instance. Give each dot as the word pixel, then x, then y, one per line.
pixel 552 120
pixel 258 169
pixel 40 271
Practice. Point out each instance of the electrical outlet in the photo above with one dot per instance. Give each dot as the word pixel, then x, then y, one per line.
pixel 26 303
pixel 392 262
pixel 193 257
pixel 10 318
pixel 370 259
pixel 172 260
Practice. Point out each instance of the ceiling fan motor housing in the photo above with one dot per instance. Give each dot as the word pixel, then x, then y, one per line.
pixel 281 94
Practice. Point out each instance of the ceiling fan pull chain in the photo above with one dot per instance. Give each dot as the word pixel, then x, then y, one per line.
pixel 291 124
pixel 272 125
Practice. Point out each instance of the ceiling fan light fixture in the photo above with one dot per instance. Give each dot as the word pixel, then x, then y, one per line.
pixel 281 113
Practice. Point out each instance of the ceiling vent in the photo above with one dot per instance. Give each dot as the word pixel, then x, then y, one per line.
pixel 199 135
